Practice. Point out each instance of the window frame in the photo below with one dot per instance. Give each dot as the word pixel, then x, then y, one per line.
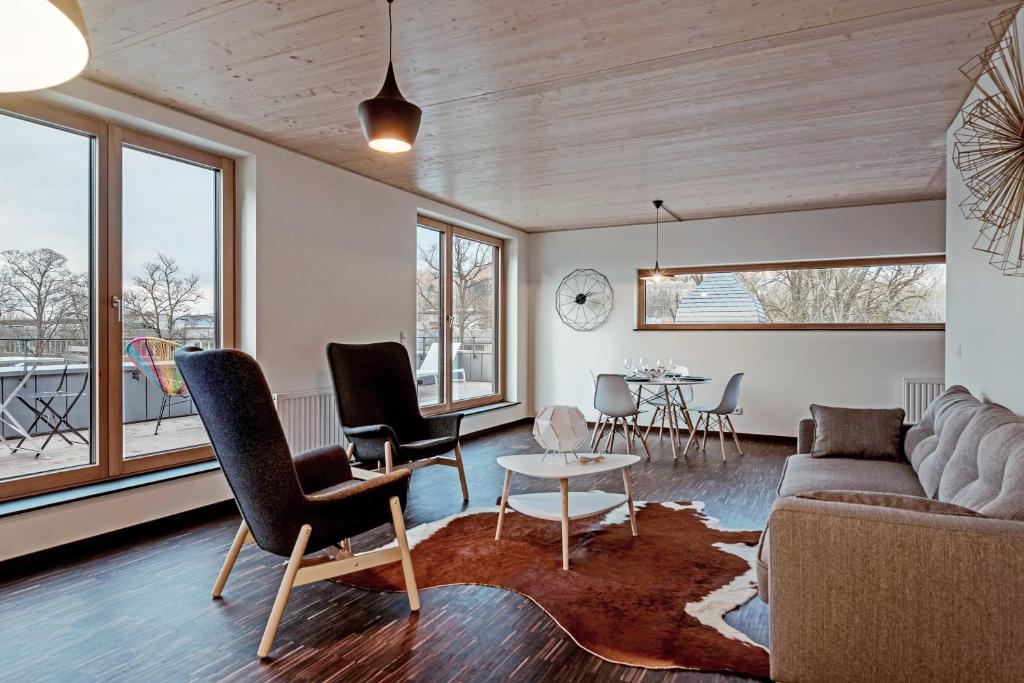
pixel 449 232
pixel 641 298
pixel 106 352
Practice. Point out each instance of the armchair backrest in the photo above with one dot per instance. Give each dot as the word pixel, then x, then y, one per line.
pixel 374 384
pixel 237 409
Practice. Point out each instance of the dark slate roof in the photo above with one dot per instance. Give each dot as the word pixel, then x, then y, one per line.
pixel 720 298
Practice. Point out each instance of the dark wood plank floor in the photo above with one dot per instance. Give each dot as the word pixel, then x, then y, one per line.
pixel 142 610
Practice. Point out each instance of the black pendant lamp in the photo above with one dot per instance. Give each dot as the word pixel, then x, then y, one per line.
pixel 390 122
pixel 657 274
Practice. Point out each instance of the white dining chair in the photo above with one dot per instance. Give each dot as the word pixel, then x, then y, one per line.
pixel 720 414
pixel 614 400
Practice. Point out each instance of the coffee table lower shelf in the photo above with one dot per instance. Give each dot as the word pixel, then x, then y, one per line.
pixel 581 504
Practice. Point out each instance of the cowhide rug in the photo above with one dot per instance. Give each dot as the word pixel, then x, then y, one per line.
pixel 655 601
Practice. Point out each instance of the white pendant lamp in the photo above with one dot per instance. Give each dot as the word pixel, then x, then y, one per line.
pixel 43 43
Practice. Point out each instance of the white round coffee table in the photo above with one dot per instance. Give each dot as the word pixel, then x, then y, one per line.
pixel 564 505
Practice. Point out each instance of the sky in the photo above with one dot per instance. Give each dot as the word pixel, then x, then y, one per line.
pixel 168 205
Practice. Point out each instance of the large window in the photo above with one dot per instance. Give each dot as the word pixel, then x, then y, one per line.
pixel 116 248
pixel 458 317
pixel 881 293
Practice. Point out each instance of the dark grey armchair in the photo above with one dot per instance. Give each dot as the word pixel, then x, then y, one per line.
pixel 380 415
pixel 290 505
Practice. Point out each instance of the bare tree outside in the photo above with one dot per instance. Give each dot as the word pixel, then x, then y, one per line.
pixel 38 288
pixel 161 298
pixel 911 293
pixel 472 286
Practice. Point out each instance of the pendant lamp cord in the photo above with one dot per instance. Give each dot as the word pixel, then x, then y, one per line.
pixel 657 233
pixel 390 29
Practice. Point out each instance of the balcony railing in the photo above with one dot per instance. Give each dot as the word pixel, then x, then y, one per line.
pixel 141 398
pixel 475 356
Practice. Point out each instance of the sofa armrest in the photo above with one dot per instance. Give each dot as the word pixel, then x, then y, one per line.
pixel 805 435
pixel 862 592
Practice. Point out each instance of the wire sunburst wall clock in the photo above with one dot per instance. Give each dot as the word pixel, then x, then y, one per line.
pixel 584 299
pixel 989 147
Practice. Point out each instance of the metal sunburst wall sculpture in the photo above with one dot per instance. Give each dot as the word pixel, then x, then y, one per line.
pixel 989 147
pixel 584 299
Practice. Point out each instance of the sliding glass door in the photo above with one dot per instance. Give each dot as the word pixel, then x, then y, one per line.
pixel 47 300
pixel 459 342
pixel 116 249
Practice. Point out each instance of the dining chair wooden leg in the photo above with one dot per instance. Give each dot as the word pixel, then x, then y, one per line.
pixel 643 439
pixel 611 436
pixel 721 436
pixel 597 441
pixel 287 581
pixel 707 425
pixel 403 544
pixel 654 418
pixel 627 435
pixel 462 472
pixel 735 438
pixel 389 458
pixel 597 431
pixel 692 438
pixel 661 429
pixel 241 538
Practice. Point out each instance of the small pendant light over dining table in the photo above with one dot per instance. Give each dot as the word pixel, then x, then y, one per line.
pixel 390 122
pixel 657 274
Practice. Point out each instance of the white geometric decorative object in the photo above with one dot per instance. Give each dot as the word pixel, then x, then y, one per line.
pixel 560 429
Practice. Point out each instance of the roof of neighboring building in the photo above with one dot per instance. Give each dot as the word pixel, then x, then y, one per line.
pixel 720 298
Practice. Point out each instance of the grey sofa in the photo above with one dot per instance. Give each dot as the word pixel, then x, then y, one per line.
pixel 908 570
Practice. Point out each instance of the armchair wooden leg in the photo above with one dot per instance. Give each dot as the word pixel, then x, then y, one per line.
pixel 350 450
pixel 389 458
pixel 241 538
pixel 462 472
pixel 403 544
pixel 732 430
pixel 287 581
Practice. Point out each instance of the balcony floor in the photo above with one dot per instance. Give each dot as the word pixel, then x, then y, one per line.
pixel 175 433
pixel 462 390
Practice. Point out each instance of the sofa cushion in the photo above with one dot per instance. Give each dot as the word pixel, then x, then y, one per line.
pixel 804 473
pixel 995 469
pixel 922 439
pixel 892 500
pixel 934 452
pixel 857 432
pixel 962 466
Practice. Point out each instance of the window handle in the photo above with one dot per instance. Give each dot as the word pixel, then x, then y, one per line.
pixel 115 301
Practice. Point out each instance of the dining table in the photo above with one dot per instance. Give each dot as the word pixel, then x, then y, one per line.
pixel 670 389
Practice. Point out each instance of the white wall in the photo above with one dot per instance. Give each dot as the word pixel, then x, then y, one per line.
pixel 785 370
pixel 327 255
pixel 985 330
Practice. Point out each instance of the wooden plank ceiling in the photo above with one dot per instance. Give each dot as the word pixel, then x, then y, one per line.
pixel 566 114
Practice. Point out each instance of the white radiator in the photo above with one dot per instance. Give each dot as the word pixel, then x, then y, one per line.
pixel 309 418
pixel 918 392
